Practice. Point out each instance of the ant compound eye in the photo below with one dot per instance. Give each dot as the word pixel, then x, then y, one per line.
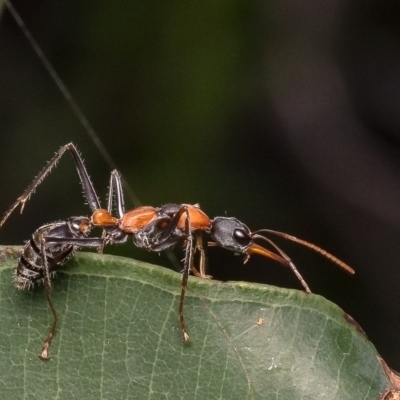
pixel 241 236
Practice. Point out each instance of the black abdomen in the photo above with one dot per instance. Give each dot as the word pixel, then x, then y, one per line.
pixel 30 269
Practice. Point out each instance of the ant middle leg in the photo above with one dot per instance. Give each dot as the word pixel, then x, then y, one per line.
pixel 199 247
pixel 185 276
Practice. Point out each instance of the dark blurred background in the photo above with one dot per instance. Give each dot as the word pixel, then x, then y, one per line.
pixel 284 114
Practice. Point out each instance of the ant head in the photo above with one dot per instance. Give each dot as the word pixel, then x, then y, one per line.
pixel 234 235
pixel 231 234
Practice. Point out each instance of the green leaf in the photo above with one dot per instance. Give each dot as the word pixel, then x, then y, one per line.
pixel 118 338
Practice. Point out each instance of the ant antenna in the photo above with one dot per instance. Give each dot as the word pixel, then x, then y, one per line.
pixel 288 259
pixel 311 246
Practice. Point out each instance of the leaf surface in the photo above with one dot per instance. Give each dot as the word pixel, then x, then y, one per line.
pixel 118 338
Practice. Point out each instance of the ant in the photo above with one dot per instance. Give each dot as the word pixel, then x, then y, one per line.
pixel 158 229
pixel 154 229
pixel 52 245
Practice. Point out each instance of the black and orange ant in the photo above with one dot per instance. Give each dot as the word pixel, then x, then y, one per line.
pixel 158 229
pixel 154 229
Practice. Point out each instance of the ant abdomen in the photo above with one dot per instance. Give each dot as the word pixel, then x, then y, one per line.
pixel 31 267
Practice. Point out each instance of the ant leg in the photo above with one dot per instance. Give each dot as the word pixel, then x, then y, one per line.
pixel 87 185
pixel 185 277
pixel 47 283
pixel 198 236
pixel 114 186
pixel 285 260
pixel 166 235
pixel 44 355
pixel 169 236
pixel 76 242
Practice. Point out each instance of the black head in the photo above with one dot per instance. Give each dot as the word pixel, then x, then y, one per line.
pixel 231 234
